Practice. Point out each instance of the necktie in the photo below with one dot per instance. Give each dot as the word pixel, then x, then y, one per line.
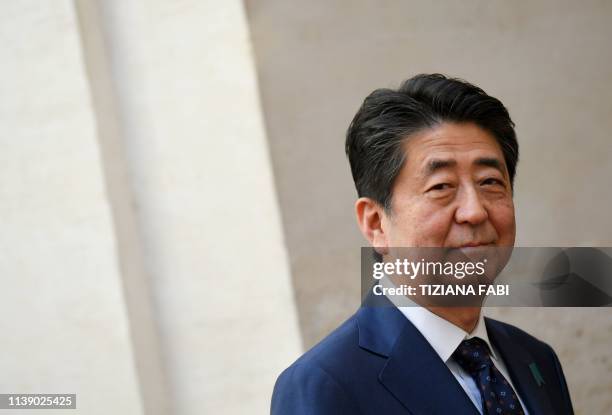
pixel 498 397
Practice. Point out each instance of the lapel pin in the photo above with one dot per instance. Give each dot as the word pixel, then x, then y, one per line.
pixel 535 371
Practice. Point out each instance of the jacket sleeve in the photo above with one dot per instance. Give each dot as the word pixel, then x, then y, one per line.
pixel 306 389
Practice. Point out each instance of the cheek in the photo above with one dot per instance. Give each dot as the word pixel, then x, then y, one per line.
pixel 426 226
pixel 503 220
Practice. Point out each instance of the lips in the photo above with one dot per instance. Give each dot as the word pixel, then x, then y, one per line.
pixel 476 251
pixel 474 244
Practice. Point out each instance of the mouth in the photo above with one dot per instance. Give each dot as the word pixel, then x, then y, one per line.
pixel 475 251
pixel 474 245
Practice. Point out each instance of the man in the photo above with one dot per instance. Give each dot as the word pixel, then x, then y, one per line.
pixel 434 164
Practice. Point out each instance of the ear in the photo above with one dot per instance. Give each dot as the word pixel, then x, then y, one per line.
pixel 370 219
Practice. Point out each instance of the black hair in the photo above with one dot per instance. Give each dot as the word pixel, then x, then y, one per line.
pixel 387 117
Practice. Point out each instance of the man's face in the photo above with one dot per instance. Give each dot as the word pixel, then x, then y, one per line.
pixel 453 191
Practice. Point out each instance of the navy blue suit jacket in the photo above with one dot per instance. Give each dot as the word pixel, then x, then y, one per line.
pixel 377 362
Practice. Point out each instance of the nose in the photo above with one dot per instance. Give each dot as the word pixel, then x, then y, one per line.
pixel 470 209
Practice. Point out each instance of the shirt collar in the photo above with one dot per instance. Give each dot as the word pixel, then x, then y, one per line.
pixel 443 336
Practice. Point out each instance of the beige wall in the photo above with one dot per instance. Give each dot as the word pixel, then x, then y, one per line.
pixel 548 61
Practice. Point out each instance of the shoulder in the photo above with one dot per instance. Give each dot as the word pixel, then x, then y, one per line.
pixel 330 354
pixel 316 382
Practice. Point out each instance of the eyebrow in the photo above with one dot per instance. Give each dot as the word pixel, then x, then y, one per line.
pixel 491 162
pixel 435 165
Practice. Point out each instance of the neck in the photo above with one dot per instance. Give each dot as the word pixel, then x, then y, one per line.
pixel 464 317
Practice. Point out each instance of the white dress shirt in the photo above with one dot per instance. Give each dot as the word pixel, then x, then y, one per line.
pixel 444 337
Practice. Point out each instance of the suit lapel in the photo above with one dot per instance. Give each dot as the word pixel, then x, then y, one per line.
pixel 414 374
pixel 418 378
pixel 517 360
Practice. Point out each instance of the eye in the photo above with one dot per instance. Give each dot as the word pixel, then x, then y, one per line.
pixel 440 186
pixel 492 181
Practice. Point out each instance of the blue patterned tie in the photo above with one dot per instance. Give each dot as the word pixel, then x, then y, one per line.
pixel 498 397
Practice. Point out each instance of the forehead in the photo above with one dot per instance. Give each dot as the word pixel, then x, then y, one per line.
pixel 462 143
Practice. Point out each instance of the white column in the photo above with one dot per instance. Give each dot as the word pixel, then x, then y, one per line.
pixel 204 199
pixel 64 324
